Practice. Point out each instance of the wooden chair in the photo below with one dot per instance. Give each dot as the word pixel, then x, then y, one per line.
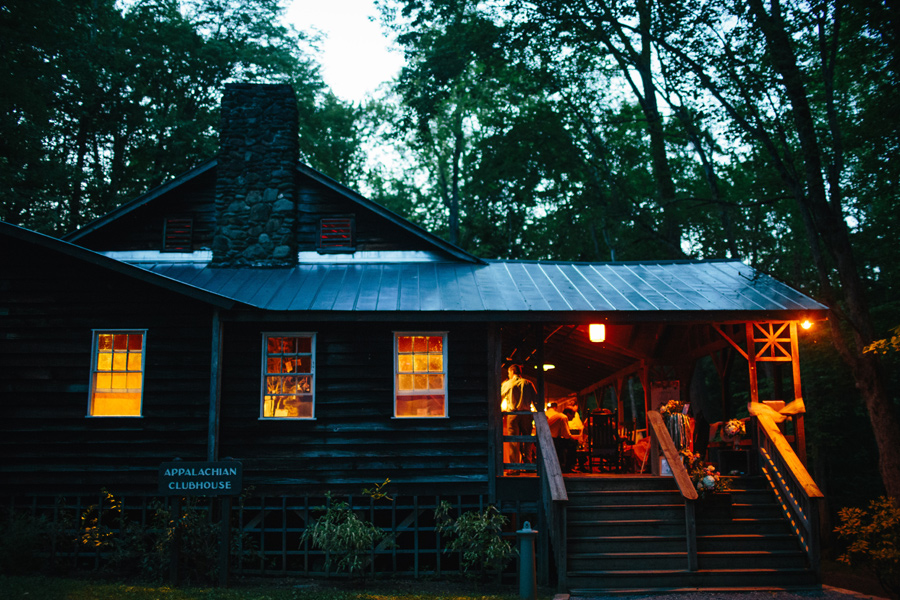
pixel 604 443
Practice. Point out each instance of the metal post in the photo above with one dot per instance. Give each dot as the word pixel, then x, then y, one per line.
pixel 527 575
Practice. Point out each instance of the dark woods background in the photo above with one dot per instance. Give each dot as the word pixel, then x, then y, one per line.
pixel 589 130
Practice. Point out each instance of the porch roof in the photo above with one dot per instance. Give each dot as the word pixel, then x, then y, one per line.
pixel 720 290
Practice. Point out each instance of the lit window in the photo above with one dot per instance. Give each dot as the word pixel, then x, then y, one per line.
pixel 420 385
pixel 289 375
pixel 117 374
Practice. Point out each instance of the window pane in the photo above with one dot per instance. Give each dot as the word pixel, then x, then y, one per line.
pixel 119 381
pixel 435 343
pixel 435 362
pixel 304 344
pixel 135 341
pixel 116 404
pixel 104 361
pixel 420 344
pixel 134 361
pixel 421 382
pixel 273 365
pixel 119 361
pixel 420 406
pixel 300 364
pixel 289 345
pixel 103 381
pixel 435 382
pixel 405 382
pixel 404 343
pixel 133 381
pixel 104 341
pixel 405 363
pixel 120 341
pixel 273 345
pixel 421 362
pixel 273 385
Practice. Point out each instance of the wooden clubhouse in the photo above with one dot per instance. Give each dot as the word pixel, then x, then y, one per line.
pixel 256 310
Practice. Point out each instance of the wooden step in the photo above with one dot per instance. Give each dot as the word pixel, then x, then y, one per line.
pixel 596 582
pixel 629 535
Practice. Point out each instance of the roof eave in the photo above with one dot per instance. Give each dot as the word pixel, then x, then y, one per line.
pixel 111 264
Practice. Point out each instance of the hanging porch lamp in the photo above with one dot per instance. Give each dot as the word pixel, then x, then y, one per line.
pixel 597 332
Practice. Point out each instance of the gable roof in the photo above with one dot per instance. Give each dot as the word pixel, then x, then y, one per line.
pixel 429 238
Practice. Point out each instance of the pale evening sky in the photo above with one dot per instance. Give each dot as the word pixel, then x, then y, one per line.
pixel 355 54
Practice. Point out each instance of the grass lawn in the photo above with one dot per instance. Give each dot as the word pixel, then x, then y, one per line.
pixel 48 588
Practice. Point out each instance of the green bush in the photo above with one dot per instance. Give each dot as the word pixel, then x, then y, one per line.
pixel 345 538
pixel 874 540
pixel 477 537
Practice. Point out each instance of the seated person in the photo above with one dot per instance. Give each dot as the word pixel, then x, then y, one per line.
pixel 566 445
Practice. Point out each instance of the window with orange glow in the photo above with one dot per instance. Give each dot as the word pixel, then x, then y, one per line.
pixel 288 376
pixel 117 374
pixel 420 384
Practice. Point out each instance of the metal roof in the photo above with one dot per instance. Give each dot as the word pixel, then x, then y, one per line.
pixel 645 290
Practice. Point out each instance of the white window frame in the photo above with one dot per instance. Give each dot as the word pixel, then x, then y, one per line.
pixel 92 384
pixel 397 392
pixel 265 374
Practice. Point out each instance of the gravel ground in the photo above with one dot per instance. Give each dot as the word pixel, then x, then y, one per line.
pixel 827 593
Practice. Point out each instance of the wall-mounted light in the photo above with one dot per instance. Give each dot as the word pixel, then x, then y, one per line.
pixel 805 323
pixel 549 367
pixel 597 332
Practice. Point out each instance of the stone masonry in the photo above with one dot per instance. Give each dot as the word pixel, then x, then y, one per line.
pixel 255 187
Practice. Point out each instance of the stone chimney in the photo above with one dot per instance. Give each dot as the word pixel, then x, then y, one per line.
pixel 255 186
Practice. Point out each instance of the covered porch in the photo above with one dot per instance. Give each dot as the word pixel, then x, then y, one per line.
pixel 711 373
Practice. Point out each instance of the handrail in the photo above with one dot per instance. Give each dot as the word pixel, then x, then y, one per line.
pixel 517 439
pixel 797 493
pixel 659 434
pixel 554 499
pixel 685 485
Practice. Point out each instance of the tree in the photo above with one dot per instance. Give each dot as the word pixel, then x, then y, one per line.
pixel 102 103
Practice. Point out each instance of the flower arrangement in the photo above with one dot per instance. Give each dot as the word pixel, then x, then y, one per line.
pixel 707 480
pixel 734 428
pixel 672 407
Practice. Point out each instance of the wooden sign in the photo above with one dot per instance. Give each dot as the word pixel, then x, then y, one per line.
pixel 217 478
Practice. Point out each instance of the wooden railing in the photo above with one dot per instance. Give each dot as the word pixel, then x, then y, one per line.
pixel 552 529
pixel 660 438
pixel 796 491
pixel 524 441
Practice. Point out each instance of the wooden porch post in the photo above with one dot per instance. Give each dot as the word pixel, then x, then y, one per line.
pixel 495 419
pixel 799 431
pixel 215 385
pixel 751 364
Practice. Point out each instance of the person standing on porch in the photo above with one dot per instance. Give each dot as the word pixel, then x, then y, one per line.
pixel 518 394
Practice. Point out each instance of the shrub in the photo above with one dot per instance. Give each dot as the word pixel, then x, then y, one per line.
pixel 874 538
pixel 343 535
pixel 477 537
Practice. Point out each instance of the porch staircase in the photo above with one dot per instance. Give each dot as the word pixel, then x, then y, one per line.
pixel 628 535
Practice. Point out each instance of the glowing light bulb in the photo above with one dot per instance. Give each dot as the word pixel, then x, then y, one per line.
pixel 597 332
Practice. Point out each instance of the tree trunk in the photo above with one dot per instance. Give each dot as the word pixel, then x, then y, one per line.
pixel 826 229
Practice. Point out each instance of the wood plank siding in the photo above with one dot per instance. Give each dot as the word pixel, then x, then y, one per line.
pixel 143 228
pixel 354 440
pixel 47 443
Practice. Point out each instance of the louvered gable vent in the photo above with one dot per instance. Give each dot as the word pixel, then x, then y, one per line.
pixel 336 234
pixel 177 234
